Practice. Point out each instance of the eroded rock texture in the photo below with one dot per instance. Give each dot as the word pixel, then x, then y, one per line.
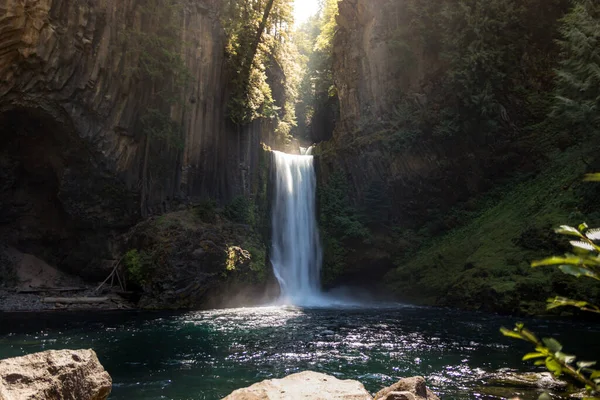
pixel 303 385
pixel 54 375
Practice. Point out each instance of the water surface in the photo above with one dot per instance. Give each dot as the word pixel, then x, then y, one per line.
pixel 206 355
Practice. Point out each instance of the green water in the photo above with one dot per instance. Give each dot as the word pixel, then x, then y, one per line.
pixel 206 355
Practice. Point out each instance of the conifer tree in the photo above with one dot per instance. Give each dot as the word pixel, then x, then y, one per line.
pixel 578 76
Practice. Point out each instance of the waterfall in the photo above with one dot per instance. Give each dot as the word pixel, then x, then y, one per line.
pixel 296 248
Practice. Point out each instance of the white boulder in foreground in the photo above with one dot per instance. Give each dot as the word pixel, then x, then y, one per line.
pixel 54 375
pixel 303 386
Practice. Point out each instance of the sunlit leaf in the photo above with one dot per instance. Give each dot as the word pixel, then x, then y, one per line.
pixel 545 396
pixel 540 362
pixel 582 245
pixel 595 374
pixel 586 364
pixel 563 301
pixel 593 234
pixel 528 335
pixel 568 230
pixel 552 344
pixel 565 358
pixel 578 271
pixel 592 178
pixel 530 356
pixel 557 261
pixel 553 366
pixel 583 227
pixel 510 333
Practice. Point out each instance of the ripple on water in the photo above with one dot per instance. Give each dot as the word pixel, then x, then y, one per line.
pixel 206 355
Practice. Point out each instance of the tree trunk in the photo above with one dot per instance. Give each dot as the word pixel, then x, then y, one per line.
pixel 254 49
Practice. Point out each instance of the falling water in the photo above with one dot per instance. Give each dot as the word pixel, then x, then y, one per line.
pixel 296 252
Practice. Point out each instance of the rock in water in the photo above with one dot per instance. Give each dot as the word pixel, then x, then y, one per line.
pixel 304 385
pixel 407 389
pixel 54 375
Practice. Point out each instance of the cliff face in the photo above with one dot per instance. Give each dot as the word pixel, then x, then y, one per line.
pixel 73 152
pixel 370 73
pixel 369 69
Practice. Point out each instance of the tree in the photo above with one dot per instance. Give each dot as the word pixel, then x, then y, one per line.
pixel 578 76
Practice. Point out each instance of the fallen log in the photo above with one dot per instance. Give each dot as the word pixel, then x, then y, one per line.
pixel 75 300
pixel 51 289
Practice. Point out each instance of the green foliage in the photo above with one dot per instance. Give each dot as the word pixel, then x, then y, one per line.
pixel 255 82
pixel 156 46
pixel 341 226
pixel 317 92
pixel 484 263
pixel 206 211
pixel 139 266
pixel 583 261
pixel 240 210
pixel 549 353
pixel 377 204
pixel 578 75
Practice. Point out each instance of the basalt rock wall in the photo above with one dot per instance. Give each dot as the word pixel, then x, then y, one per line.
pixel 76 168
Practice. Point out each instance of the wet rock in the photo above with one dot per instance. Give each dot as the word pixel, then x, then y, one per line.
pixel 541 380
pixel 54 375
pixel 304 385
pixel 407 389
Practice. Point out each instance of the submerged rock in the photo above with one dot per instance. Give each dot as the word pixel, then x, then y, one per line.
pixel 54 375
pixel 541 380
pixel 304 385
pixel 407 389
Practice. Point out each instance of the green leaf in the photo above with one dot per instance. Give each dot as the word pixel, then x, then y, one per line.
pixel 586 364
pixel 568 230
pixel 592 178
pixel 558 261
pixel 593 234
pixel 578 271
pixel 540 362
pixel 530 356
pixel 563 301
pixel 565 358
pixel 552 344
pixel 513 334
pixel 595 374
pixel 553 366
pixel 583 227
pixel 582 245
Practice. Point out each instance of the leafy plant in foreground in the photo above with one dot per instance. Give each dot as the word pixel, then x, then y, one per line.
pixel 584 261
pixel 548 352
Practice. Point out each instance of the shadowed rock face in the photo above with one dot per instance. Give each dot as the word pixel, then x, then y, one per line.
pixel 54 375
pixel 72 147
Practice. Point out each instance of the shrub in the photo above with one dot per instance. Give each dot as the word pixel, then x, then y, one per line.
pixel 583 261
pixel 138 266
pixel 240 210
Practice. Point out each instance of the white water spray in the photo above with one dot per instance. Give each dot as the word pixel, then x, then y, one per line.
pixel 296 253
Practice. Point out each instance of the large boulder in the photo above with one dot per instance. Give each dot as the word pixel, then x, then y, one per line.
pixel 304 385
pixel 54 375
pixel 407 389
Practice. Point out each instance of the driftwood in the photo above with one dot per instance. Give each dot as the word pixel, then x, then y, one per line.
pixel 50 289
pixel 75 300
pixel 114 272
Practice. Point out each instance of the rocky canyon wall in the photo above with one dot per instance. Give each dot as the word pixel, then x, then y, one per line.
pixel 76 167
